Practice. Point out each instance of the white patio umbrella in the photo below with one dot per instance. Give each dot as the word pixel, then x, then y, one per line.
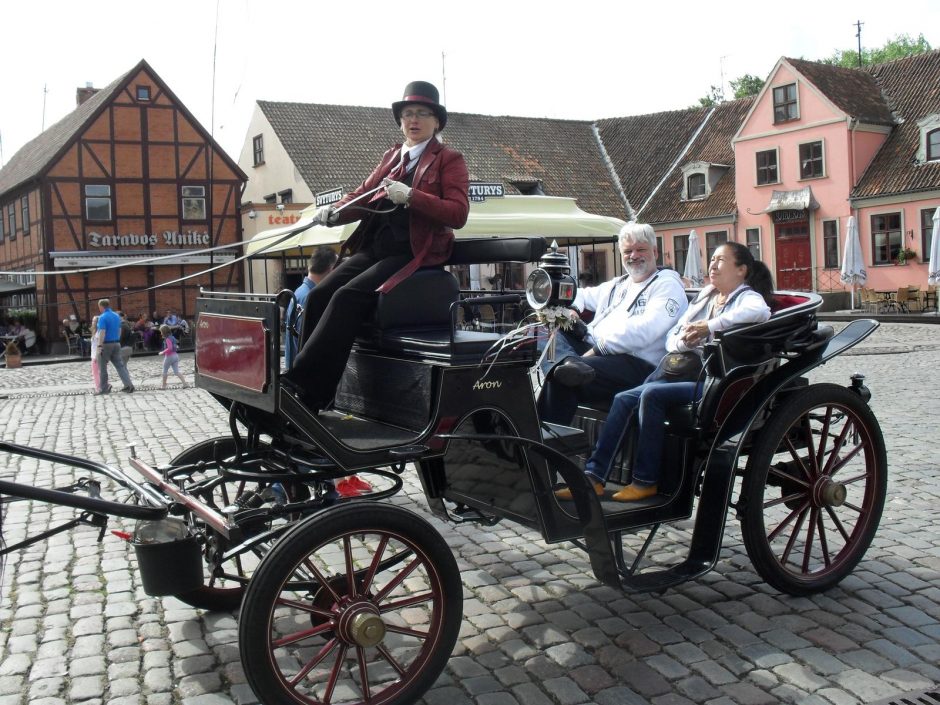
pixel 853 263
pixel 693 262
pixel 933 271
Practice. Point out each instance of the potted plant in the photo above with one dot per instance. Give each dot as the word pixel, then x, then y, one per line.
pixel 12 355
pixel 905 255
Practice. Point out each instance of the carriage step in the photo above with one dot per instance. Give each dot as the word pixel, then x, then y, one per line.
pixel 407 453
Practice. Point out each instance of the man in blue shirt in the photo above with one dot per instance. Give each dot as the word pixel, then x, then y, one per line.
pixel 321 263
pixel 109 347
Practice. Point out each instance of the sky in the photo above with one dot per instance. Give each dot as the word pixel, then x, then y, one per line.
pixel 588 60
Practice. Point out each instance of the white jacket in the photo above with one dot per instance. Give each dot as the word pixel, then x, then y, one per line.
pixel 744 306
pixel 635 324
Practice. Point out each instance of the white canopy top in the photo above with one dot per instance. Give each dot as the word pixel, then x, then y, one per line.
pixel 552 217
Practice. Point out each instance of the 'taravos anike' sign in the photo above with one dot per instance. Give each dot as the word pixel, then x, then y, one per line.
pixel 169 238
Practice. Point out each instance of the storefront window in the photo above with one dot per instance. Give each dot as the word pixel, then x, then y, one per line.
pixel 886 238
pixel 926 233
pixel 831 244
pixel 713 241
pixel 97 202
pixel 680 245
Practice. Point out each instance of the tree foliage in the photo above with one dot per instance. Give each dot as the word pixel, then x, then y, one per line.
pixel 746 85
pixel 899 47
pixel 714 97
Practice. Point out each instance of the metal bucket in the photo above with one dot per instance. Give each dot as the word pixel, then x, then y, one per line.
pixel 168 557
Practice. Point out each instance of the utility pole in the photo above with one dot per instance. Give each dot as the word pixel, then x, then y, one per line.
pixel 858 34
pixel 721 70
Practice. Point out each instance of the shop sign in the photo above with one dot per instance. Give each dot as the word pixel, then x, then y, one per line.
pixel 788 216
pixel 480 191
pixel 169 238
pixel 324 198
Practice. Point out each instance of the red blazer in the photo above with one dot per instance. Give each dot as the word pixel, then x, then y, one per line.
pixel 439 203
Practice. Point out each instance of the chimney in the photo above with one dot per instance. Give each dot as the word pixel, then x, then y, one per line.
pixel 83 94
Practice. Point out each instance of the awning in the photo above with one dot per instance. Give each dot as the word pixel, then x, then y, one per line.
pixel 551 217
pixel 799 200
pixel 7 288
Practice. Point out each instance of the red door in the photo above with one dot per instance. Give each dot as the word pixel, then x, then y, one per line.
pixel 794 262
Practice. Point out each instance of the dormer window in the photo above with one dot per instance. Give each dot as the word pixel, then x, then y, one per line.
pixel 929 148
pixel 699 179
pixel 786 107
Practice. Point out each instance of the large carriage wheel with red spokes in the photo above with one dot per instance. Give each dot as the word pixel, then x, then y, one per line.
pixel 814 489
pixel 360 603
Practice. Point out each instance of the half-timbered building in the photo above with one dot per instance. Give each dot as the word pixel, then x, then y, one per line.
pixel 129 175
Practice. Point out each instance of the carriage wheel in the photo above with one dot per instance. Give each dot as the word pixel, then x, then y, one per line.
pixel 221 593
pixel 814 489
pixel 360 603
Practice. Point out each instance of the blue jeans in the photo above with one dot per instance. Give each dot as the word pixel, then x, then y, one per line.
pixel 653 399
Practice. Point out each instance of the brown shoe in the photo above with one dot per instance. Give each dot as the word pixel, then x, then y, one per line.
pixel 565 493
pixel 634 493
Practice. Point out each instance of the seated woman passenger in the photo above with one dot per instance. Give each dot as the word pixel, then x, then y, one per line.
pixel 740 292
pixel 420 197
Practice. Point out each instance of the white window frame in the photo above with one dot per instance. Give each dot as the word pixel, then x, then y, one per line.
pixel 871 232
pixel 257 150
pixel 926 126
pixel 838 237
pixel 96 198
pixel 822 149
pixel 776 151
pixel 190 196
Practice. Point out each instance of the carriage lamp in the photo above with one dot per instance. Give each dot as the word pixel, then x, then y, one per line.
pixel 551 284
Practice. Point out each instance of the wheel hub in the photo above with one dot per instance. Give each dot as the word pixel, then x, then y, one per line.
pixel 361 624
pixel 828 493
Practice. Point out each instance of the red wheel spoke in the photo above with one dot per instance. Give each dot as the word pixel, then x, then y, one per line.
pixel 407 602
pixel 407 631
pixel 334 674
pixel 781 500
pixel 787 476
pixel 823 436
pixel 810 534
pixel 784 559
pixel 860 510
pixel 376 560
pixel 301 635
pixel 307 607
pixel 838 523
pixel 363 673
pixel 314 662
pixel 845 460
pixel 823 544
pixel 837 447
pixel 323 581
pixel 798 458
pixel 350 569
pixel 399 669
pixel 783 525
pixel 397 580
pixel 808 439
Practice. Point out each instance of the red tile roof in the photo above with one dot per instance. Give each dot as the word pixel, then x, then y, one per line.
pixel 855 92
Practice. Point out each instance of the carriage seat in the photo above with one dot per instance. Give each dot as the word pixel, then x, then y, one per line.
pixel 416 318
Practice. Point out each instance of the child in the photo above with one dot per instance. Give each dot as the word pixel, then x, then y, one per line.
pixel 171 355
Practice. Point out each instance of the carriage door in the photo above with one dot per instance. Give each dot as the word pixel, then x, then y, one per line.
pixel 792 249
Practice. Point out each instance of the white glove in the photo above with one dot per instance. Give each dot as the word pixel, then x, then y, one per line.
pixel 322 216
pixel 397 192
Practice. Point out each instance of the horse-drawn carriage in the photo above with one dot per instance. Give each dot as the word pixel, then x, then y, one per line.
pixel 359 600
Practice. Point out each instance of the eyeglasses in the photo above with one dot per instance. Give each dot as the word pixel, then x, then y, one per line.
pixel 409 114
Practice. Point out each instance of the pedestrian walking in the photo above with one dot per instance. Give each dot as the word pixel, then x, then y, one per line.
pixel 95 364
pixel 108 333
pixel 171 356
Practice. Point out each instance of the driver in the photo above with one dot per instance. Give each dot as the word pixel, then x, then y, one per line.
pixel 627 337
pixel 408 223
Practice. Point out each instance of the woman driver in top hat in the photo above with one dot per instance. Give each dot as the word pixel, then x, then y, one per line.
pixel 409 224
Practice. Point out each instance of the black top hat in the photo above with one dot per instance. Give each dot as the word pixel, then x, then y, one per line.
pixel 423 93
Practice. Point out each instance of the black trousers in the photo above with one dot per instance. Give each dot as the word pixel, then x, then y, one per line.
pixel 336 309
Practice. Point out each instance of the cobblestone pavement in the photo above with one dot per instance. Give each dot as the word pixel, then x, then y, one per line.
pixel 538 628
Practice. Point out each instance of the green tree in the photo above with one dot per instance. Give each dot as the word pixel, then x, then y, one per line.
pixel 899 47
pixel 746 85
pixel 713 98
